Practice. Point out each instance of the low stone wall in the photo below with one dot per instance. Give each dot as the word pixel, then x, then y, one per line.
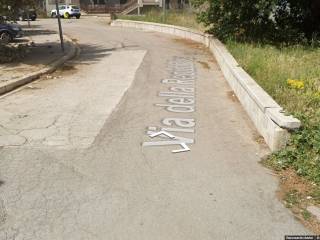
pixel 264 112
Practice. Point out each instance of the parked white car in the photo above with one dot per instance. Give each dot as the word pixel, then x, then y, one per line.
pixel 67 11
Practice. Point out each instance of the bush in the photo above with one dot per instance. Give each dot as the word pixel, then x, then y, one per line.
pixel 298 19
pixel 11 53
pixel 237 19
pixel 262 20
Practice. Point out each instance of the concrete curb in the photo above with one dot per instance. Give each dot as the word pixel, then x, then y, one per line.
pixel 48 69
pixel 265 113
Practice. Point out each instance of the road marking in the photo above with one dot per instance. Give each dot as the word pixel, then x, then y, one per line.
pixel 174 140
pixel 161 133
pixel 181 100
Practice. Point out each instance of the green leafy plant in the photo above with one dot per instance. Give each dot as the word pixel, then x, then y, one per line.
pixel 10 8
pixel 292 21
pixel 306 214
pixel 291 198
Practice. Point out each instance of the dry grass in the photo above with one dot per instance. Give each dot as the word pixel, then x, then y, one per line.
pixel 297 194
pixel 271 67
pixel 175 17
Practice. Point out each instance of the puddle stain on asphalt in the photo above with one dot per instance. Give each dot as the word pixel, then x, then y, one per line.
pixel 232 96
pixel 205 65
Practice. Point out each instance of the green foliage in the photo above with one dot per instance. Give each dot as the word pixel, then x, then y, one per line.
pixel 272 67
pixel 237 19
pixel 306 215
pixel 10 8
pixel 302 153
pixel 292 198
pixel 262 20
pixel 12 53
pixel 302 18
pixel 316 195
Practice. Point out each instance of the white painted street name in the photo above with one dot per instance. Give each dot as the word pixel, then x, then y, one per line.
pixel 180 99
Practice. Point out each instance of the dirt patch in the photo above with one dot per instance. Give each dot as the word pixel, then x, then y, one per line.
pixel 190 43
pixel 213 60
pixel 297 194
pixel 60 73
pixel 258 138
pixel 205 65
pixel 67 68
pixel 232 96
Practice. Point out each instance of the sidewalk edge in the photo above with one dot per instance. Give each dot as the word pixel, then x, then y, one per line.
pixel 74 49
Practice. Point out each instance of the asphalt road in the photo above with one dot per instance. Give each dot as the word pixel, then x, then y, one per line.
pixel 83 154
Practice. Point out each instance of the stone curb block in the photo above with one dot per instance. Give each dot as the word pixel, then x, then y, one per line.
pixel 265 113
pixel 35 75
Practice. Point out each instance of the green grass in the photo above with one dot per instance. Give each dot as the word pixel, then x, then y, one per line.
pixel 180 18
pixel 291 199
pixel 271 67
pixel 306 215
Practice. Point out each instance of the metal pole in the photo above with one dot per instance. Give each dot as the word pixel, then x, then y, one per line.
pixel 164 10
pixel 28 16
pixel 60 28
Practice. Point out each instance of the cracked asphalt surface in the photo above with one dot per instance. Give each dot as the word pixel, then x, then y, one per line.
pixel 72 165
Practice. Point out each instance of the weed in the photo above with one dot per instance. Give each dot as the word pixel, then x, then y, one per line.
pixel 291 198
pixel 306 214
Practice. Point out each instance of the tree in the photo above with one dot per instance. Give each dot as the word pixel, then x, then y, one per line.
pixel 298 17
pixel 10 8
pixel 263 20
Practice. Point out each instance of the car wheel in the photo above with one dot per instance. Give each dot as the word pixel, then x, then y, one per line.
pixel 66 15
pixel 78 17
pixel 33 19
pixel 53 15
pixel 5 38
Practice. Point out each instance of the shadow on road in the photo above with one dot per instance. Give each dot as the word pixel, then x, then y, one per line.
pixel 92 53
pixel 20 40
pixel 46 53
pixel 34 32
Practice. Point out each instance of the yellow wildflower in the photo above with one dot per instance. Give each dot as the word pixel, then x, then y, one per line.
pixel 296 84
pixel 317 94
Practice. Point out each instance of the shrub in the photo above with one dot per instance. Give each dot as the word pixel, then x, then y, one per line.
pixel 290 21
pixel 11 53
pixel 237 19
